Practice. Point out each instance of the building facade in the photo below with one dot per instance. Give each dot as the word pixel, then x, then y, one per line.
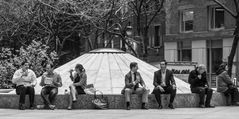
pixel 199 31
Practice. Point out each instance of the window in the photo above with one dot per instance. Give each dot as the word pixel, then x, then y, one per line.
pixel 214 55
pixel 157 36
pixel 216 17
pixel 186 20
pixel 184 51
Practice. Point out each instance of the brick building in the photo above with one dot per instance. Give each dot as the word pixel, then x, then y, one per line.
pixel 199 31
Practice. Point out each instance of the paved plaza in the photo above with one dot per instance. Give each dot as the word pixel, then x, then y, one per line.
pixel 179 113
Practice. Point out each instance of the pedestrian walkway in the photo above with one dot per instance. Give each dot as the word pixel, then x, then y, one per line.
pixel 178 113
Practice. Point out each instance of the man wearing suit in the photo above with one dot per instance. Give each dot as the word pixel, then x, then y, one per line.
pixel 198 80
pixel 164 84
pixel 132 81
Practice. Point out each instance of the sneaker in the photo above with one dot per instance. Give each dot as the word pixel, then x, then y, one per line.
pixel 41 106
pixel 160 107
pixel 128 108
pixel 201 106
pixel 69 108
pixel 52 107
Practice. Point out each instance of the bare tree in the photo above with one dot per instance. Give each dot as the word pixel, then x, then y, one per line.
pixel 145 12
pixel 235 15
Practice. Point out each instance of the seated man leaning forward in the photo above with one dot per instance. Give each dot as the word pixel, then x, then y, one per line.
pixel 132 81
pixel 198 84
pixel 50 82
pixel 79 79
pixel 25 79
pixel 164 84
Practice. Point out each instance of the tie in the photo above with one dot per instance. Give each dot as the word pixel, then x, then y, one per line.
pixel 135 80
pixel 134 76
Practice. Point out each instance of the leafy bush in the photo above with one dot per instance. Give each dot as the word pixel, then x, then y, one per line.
pixel 36 54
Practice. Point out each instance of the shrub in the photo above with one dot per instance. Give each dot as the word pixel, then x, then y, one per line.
pixel 36 54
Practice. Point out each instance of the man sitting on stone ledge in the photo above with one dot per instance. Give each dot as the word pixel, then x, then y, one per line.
pixel 199 84
pixel 164 84
pixel 50 82
pixel 25 80
pixel 132 81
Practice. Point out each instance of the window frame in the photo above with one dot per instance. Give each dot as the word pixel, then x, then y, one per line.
pixel 210 10
pixel 182 24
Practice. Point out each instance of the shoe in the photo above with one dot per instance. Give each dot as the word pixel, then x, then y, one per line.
pixel 144 107
pixel 32 107
pixel 41 106
pixel 160 107
pixel 209 106
pixel 69 108
pixel 74 101
pixel 21 107
pixel 128 108
pixel 201 106
pixel 171 106
pixel 235 103
pixel 52 107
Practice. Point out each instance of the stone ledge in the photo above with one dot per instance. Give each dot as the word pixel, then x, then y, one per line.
pixel 115 101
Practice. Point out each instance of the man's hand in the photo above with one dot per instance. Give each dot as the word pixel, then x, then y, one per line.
pixel 174 86
pixel 199 76
pixel 160 88
pixel 163 84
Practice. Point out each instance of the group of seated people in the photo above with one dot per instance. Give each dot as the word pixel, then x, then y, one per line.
pixel 163 82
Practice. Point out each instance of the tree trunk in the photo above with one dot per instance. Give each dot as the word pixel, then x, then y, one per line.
pixel 145 40
pixel 234 48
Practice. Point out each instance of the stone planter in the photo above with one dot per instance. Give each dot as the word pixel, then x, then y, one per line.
pixel 6 90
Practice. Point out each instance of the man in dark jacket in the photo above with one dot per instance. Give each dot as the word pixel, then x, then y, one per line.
pixel 132 81
pixel 164 84
pixel 198 80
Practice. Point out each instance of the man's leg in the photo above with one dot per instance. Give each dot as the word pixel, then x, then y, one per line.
pixel 31 92
pixel 145 93
pixel 201 92
pixel 52 95
pixel 22 92
pixel 172 92
pixel 127 94
pixel 209 93
pixel 44 92
pixel 157 93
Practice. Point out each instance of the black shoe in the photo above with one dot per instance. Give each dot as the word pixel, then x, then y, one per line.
pixel 201 106
pixel 128 108
pixel 21 107
pixel 235 103
pixel 160 107
pixel 171 106
pixel 209 106
pixel 144 107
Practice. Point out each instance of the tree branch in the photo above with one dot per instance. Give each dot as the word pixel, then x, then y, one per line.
pixel 226 8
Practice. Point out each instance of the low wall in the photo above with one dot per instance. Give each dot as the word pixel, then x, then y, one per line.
pixel 115 101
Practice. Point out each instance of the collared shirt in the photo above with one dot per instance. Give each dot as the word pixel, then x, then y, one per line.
pixel 163 74
pixel 132 75
pixel 28 80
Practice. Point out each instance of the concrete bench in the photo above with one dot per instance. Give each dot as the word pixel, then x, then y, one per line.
pixel 116 101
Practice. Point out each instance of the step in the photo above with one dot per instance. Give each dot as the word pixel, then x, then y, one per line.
pixel 116 101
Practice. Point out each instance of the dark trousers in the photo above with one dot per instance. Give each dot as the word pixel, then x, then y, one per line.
pixel 23 91
pixel 51 92
pixel 202 91
pixel 233 92
pixel 167 90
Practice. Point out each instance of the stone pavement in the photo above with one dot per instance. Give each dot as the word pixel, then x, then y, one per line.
pixel 178 113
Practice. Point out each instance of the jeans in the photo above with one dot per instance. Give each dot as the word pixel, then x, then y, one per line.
pixel 51 92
